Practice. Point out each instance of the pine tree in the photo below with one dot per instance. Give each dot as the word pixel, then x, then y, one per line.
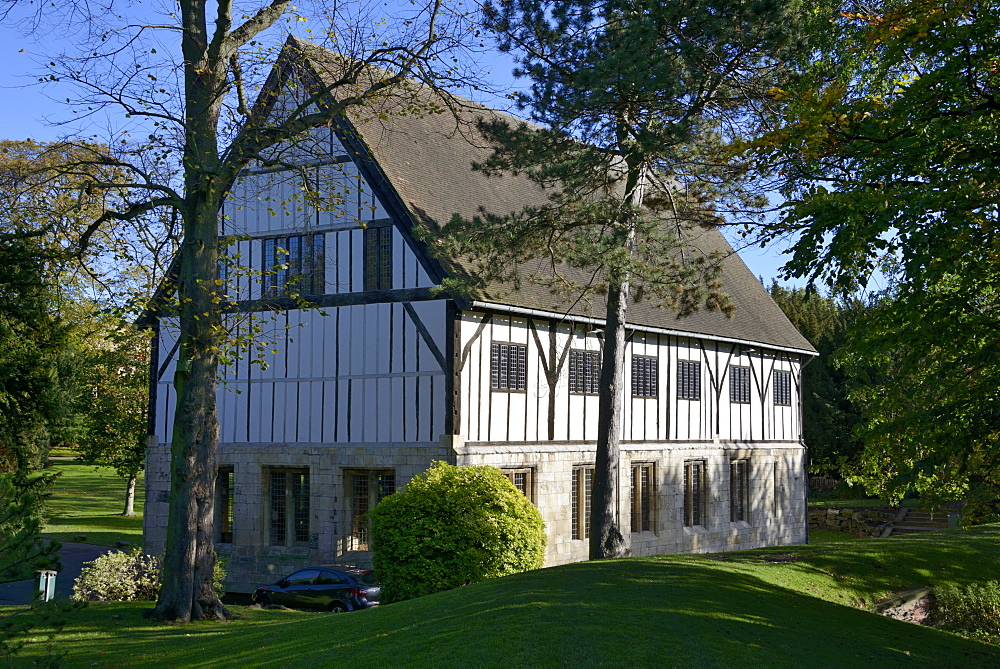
pixel 637 100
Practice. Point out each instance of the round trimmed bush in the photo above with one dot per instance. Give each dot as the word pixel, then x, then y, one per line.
pixel 451 526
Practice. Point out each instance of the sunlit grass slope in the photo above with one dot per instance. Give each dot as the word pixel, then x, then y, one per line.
pixel 779 607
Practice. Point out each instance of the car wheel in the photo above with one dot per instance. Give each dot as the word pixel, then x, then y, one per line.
pixel 264 601
pixel 337 607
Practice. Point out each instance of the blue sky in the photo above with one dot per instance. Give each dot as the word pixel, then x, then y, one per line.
pixel 29 110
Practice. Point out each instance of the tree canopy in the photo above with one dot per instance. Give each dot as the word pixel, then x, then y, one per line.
pixel 888 148
pixel 33 342
pixel 179 87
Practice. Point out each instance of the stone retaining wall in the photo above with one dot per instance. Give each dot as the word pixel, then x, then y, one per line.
pixel 859 522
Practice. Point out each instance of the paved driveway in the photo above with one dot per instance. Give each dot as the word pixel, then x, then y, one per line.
pixel 72 556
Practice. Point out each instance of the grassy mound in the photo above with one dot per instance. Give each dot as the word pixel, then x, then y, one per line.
pixel 777 607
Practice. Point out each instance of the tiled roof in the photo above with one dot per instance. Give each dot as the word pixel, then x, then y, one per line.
pixel 426 159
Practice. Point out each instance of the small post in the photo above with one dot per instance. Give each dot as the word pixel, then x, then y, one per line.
pixel 47 584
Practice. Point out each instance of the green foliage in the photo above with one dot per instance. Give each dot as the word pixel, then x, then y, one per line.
pixel 928 382
pixel 54 191
pixel 32 340
pixel 974 608
pixel 119 577
pixel 887 146
pixel 130 576
pixel 884 145
pixel 829 416
pixel 452 526
pixel 115 402
pixel 637 106
pixel 22 504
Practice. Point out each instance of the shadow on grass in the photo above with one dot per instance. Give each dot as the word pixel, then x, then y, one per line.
pixel 869 570
pixel 635 612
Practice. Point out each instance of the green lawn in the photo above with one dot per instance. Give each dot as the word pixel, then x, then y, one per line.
pixel 775 607
pixel 89 501
pixel 829 536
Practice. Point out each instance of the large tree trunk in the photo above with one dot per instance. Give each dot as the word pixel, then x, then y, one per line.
pixel 606 540
pixel 186 592
pixel 129 511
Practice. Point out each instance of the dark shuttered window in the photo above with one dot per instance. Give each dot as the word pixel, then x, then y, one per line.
pixel 644 376
pixel 224 504
pixel 508 367
pixel 694 493
pixel 783 388
pixel 689 380
pixel 583 485
pixel 739 384
pixel 642 498
pixel 739 490
pixel 584 371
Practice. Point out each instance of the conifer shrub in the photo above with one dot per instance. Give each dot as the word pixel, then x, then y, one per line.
pixel 452 526
pixel 974 608
pixel 126 577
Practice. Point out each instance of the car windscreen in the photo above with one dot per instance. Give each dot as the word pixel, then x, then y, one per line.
pixel 365 577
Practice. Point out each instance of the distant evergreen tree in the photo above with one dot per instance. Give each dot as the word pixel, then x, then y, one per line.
pixel 828 414
pixel 32 344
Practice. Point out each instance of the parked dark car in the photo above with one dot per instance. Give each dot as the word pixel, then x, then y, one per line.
pixel 324 588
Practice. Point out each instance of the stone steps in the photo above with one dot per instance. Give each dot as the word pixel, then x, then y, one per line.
pixel 915 521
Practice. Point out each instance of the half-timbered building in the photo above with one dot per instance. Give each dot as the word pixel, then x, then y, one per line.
pixel 360 373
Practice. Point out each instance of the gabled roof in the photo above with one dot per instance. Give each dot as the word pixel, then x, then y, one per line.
pixel 423 161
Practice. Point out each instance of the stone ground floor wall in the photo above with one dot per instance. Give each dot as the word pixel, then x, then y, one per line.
pixel 777 504
pixel 250 559
pixel 776 512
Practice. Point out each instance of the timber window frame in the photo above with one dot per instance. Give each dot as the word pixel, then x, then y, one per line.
pixel 689 380
pixel 581 491
pixel 287 522
pixel 695 493
pixel 363 489
pixel 508 367
pixel 782 388
pixel 739 490
pixel 378 257
pixel 584 372
pixel 522 478
pixel 642 496
pixel 224 503
pixel 294 264
pixel 739 384
pixel 645 376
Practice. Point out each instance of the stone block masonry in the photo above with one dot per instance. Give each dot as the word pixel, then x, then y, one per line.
pixel 775 496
